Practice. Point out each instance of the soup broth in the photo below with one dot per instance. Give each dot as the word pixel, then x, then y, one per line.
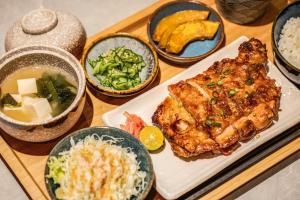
pixel 53 85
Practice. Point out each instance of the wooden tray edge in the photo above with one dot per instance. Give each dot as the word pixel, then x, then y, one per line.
pixel 20 172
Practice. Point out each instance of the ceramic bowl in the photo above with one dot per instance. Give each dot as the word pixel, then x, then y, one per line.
pixel 195 50
pixel 289 70
pixel 242 11
pixel 136 44
pixel 127 141
pixel 47 27
pixel 43 56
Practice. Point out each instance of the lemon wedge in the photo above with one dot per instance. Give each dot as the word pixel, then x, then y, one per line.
pixel 151 137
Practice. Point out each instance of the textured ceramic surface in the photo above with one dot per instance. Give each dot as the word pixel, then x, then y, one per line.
pixel 242 11
pixel 128 141
pixel 139 46
pixel 184 175
pixel 47 27
pixel 195 50
pixel 43 56
pixel 290 71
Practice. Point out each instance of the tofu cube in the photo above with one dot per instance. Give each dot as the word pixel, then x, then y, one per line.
pixel 41 106
pixel 29 101
pixel 27 86
pixel 17 97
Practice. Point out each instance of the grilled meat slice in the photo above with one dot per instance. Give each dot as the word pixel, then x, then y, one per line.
pixel 192 100
pixel 180 129
pixel 235 88
pixel 231 101
pixel 252 52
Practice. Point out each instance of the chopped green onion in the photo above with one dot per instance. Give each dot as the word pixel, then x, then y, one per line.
pixel 220 82
pixel 227 71
pixel 232 92
pixel 211 84
pixel 213 100
pixel 215 94
pixel 210 122
pixel 223 113
pixel 249 81
pixel 217 124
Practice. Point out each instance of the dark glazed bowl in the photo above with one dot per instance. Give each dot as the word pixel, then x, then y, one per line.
pixel 242 11
pixel 289 70
pixel 195 50
pixel 59 59
pixel 136 44
pixel 128 141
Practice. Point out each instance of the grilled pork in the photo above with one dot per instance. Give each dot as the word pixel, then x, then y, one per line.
pixel 230 102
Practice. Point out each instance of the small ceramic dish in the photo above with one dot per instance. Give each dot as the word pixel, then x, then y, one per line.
pixel 128 141
pixel 111 41
pixel 289 70
pixel 53 57
pixel 195 50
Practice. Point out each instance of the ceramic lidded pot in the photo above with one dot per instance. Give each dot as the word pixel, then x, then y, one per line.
pixel 47 27
pixel 242 11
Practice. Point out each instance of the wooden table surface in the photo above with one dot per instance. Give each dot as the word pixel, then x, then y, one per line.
pixel 27 160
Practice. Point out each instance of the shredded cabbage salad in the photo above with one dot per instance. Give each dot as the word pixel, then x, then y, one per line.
pixel 96 169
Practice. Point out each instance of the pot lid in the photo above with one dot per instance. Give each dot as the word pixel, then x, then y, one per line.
pixel 47 27
pixel 39 21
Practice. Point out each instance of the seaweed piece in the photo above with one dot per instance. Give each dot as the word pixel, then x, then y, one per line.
pixel 8 100
pixel 57 90
pixel 46 89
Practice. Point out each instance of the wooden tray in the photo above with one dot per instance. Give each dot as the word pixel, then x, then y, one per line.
pixel 27 160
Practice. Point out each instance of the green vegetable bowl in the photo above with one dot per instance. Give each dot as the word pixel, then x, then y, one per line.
pixel 120 64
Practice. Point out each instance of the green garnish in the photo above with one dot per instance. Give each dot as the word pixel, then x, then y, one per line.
pixel 215 94
pixel 119 68
pixel 8 100
pixel 223 113
pixel 217 124
pixel 220 82
pixel 210 122
pixel 211 84
pixel 227 71
pixel 232 92
pixel 249 81
pixel 213 100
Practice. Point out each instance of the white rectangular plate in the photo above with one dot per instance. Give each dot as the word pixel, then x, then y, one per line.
pixel 175 176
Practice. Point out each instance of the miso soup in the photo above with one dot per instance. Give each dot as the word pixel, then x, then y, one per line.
pixel 34 94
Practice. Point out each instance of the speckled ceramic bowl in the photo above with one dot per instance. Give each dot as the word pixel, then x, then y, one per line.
pixel 136 44
pixel 47 27
pixel 127 141
pixel 195 50
pixel 48 56
pixel 289 70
